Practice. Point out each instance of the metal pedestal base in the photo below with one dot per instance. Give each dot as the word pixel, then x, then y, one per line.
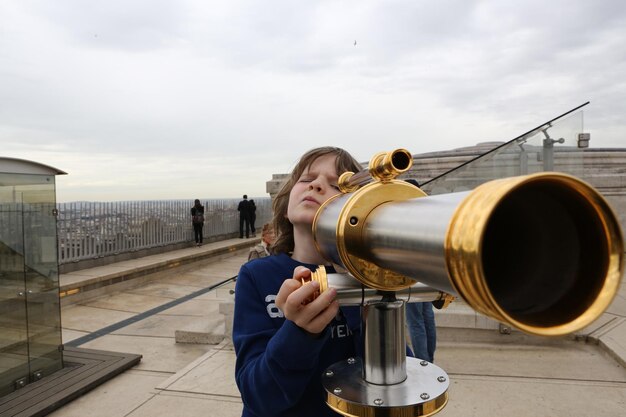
pixel 423 393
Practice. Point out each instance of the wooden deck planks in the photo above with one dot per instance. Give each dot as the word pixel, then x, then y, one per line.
pixel 84 369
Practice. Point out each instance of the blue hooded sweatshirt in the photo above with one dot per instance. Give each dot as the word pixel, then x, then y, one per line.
pixel 279 366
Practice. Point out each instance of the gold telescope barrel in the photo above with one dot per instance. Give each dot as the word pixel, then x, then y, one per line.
pixel 542 252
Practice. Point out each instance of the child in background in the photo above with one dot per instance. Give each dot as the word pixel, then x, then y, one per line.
pixel 284 344
pixel 267 239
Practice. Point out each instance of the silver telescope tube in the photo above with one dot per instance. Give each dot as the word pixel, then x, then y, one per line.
pixel 542 252
pixel 415 244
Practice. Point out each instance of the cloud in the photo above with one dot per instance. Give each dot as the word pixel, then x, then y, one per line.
pixel 232 91
pixel 138 25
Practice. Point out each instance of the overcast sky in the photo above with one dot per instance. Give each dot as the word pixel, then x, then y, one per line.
pixel 167 99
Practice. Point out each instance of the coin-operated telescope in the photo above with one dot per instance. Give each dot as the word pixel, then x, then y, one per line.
pixel 542 252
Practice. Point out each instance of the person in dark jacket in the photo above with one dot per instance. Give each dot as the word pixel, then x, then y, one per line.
pixel 197 220
pixel 244 216
pixel 284 341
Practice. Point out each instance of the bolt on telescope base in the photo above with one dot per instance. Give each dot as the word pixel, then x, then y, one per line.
pixel 423 393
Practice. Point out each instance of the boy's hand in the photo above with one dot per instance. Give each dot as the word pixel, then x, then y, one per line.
pixel 293 299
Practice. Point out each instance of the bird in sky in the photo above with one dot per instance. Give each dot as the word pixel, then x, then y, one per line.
pixel 355 43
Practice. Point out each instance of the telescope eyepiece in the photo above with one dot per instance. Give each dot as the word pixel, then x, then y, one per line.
pixel 386 166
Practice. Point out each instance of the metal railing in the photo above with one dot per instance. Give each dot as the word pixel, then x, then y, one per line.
pixel 89 230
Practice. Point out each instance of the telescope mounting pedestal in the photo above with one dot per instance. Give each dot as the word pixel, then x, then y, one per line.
pixel 422 393
pixel 386 382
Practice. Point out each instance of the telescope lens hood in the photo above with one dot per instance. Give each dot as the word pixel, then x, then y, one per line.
pixel 541 252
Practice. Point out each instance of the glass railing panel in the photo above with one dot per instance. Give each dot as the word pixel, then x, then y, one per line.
pixel 13 326
pixel 551 147
pixel 30 318
pixel 42 277
pixel 605 169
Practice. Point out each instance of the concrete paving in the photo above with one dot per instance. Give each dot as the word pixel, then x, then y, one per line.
pixel 491 373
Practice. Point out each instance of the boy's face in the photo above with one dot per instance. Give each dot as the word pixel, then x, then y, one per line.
pixel 316 185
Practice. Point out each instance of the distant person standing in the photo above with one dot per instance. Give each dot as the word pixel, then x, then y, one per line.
pixel 197 220
pixel 244 216
pixel 252 207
